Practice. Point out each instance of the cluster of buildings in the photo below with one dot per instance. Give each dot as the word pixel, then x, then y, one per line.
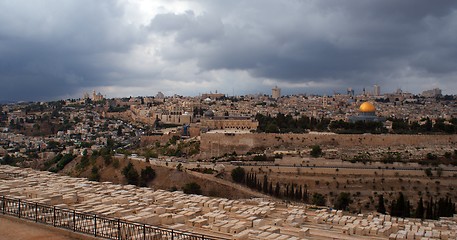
pixel 69 127
pixel 216 111
pixel 208 112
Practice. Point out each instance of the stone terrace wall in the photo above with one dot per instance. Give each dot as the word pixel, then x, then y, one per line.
pixel 214 144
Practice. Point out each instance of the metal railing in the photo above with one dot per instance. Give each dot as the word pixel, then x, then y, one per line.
pixel 92 224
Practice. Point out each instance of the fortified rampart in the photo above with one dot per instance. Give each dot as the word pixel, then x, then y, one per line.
pixel 148 140
pixel 217 144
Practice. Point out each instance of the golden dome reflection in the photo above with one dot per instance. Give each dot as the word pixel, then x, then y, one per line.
pixel 367 107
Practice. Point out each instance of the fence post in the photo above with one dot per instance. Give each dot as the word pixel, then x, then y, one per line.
pixel 172 235
pixel 95 224
pixel 3 204
pixel 54 217
pixel 19 208
pixel 74 221
pixel 144 231
pixel 118 229
pixel 36 212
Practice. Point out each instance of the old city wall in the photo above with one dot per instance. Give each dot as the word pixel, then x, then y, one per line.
pixel 217 144
pixel 150 140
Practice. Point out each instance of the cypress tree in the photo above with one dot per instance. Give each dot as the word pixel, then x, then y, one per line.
pixel 393 208
pixel 305 195
pixel 300 194
pixel 265 184
pixel 381 207
pixel 277 190
pixel 407 212
pixel 435 210
pixel 292 192
pixel 429 210
pixel 401 205
pixel 420 209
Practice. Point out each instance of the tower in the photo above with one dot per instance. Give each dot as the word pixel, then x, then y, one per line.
pixel 377 90
pixel 276 92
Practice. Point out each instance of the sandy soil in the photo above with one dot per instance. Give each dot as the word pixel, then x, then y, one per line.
pixel 12 229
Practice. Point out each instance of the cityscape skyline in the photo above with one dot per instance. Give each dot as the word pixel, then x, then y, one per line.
pixel 187 47
pixel 275 93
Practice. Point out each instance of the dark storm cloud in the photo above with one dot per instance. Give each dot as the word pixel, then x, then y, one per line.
pixel 355 41
pixel 50 48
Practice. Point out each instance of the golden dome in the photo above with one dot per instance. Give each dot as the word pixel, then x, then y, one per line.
pixel 367 107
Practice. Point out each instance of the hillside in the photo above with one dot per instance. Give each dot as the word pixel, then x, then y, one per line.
pixel 166 178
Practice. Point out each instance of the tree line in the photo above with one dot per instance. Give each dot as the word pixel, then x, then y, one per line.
pixel 401 207
pixel 286 123
pixel 403 126
pixel 292 192
pixel 341 126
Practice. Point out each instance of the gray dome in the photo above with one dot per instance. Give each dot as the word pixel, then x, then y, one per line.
pixel 208 113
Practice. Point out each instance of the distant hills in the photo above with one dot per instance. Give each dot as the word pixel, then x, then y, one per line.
pixel 6 102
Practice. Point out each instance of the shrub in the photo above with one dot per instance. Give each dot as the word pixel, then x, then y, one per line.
pixel 116 163
pixel 342 201
pixel 318 199
pixel 428 172
pixel 192 188
pixel 94 174
pixel 131 174
pixel 148 174
pixel 238 174
pixel 316 151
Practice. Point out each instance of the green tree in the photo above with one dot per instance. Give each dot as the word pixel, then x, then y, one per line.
pixel 131 174
pixel 401 207
pixel 428 172
pixel 148 174
pixel 116 163
pixel 439 172
pixel 316 151
pixel 8 160
pixel 318 199
pixel 381 207
pixel 179 167
pixel 420 211
pixel 277 190
pixel 94 174
pixel 265 184
pixel 83 163
pixel 192 188
pixel 238 174
pixel 342 201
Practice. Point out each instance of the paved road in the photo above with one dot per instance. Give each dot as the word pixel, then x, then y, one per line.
pixel 344 167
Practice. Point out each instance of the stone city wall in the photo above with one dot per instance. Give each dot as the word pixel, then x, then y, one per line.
pixel 217 144
pixel 162 139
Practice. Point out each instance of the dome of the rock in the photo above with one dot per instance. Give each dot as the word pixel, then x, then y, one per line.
pixel 367 107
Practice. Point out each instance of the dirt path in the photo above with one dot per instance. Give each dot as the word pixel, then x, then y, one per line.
pixel 15 229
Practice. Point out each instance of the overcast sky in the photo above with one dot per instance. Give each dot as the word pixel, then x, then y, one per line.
pixel 57 49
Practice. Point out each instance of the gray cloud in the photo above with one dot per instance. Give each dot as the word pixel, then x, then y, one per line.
pixel 50 49
pixel 339 41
